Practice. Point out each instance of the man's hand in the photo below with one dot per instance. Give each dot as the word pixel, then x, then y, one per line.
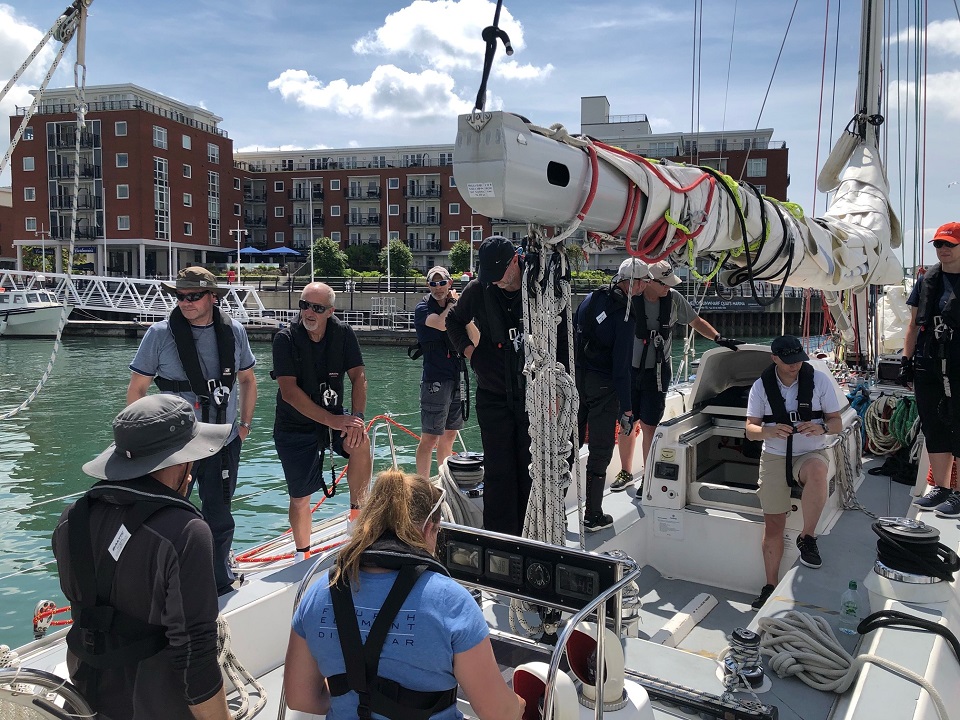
pixel 779 431
pixel 452 298
pixel 626 423
pixel 351 429
pixel 811 428
pixel 906 370
pixel 728 343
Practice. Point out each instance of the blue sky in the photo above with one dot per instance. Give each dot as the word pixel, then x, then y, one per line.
pixel 334 74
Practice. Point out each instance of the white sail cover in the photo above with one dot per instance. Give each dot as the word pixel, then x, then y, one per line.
pixel 509 169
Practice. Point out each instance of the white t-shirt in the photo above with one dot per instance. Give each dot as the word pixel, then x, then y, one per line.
pixel 824 399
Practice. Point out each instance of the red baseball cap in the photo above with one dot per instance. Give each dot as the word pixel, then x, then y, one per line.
pixel 949 232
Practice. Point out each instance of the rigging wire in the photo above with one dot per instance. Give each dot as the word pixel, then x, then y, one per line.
pixel 722 143
pixel 823 78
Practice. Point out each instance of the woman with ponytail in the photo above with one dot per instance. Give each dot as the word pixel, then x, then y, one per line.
pixel 386 633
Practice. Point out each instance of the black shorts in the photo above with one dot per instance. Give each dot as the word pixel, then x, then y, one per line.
pixel 301 456
pixel 649 402
pixel 935 421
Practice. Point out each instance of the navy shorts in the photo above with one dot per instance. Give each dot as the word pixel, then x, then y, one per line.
pixel 301 456
pixel 440 408
pixel 648 402
pixel 935 421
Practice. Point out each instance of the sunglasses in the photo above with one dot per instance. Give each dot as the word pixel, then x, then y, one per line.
pixel 316 307
pixel 938 244
pixel 436 506
pixel 438 283
pixel 659 282
pixel 191 297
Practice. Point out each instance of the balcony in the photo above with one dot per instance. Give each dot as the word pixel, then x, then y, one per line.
pixel 360 220
pixel 69 140
pixel 251 198
pixel 418 218
pixel 424 245
pixel 373 241
pixel 84 233
pixel 255 221
pixel 354 193
pixel 86 202
pixel 303 194
pixel 418 191
pixel 303 221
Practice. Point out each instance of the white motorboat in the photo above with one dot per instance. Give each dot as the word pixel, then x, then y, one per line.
pixel 30 313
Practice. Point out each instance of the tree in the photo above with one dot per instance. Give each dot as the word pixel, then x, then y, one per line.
pixel 361 257
pixel 400 258
pixel 328 259
pixel 459 258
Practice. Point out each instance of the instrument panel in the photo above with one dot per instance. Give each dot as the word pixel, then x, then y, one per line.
pixel 567 577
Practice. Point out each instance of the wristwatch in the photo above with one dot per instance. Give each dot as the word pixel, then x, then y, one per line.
pixel 246 425
pixel 357 414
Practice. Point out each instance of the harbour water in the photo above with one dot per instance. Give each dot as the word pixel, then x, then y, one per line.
pixel 43 448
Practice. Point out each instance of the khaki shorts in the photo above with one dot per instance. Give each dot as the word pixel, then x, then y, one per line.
pixel 774 493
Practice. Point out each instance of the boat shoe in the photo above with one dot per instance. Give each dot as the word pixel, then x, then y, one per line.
pixel 934 497
pixel 622 481
pixel 760 600
pixel 596 521
pixel 949 508
pixel 809 554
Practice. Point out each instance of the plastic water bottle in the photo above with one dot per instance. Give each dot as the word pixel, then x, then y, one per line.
pixel 850 609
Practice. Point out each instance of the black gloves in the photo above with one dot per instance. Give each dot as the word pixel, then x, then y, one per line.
pixel 626 423
pixel 906 370
pixel 728 343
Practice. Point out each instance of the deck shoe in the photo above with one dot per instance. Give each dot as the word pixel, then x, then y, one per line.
pixel 809 554
pixel 934 497
pixel 622 481
pixel 596 521
pixel 760 600
pixel 949 508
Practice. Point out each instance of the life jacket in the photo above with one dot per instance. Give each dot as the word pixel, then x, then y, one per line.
pixel 214 392
pixel 778 407
pixel 321 378
pixel 444 345
pixel 95 621
pixel 938 336
pixel 505 338
pixel 656 339
pixel 378 694
pixel 603 304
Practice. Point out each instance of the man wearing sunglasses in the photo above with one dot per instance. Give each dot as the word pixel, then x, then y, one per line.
pixel 310 359
pixel 441 414
pixel 931 361
pixel 203 356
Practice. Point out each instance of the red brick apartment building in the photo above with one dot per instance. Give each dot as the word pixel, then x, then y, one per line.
pixel 160 186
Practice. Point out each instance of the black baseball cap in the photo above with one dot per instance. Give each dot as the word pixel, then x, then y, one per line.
pixel 496 252
pixel 789 349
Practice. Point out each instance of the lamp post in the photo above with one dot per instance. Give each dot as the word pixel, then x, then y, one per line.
pixel 310 210
pixel 43 234
pixel 473 240
pixel 241 232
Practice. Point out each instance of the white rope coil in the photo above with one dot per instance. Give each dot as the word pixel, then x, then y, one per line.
pixel 238 674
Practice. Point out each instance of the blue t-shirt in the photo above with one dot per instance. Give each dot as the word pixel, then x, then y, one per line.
pixel 440 362
pixel 439 619
pixel 158 355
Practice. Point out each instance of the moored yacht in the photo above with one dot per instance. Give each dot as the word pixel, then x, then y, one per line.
pixel 30 313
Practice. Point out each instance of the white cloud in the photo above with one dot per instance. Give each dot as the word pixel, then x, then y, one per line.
pixel 943 36
pixel 942 91
pixel 512 70
pixel 390 93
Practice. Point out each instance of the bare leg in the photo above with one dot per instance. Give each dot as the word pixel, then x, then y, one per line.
pixel 359 471
pixel 648 433
pixel 625 446
pixel 445 447
pixel 425 453
pixel 773 528
pixel 300 521
pixel 942 464
pixel 813 478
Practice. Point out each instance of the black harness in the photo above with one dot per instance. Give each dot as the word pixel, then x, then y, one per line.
pixel 939 330
pixel 321 378
pixel 589 345
pixel 214 392
pixel 378 694
pixel 103 637
pixel 779 414
pixel 656 339
pixel 506 338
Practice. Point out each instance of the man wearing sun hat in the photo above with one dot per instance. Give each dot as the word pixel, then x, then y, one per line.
pixel 604 331
pixel 135 560
pixel 203 356
pixel 931 361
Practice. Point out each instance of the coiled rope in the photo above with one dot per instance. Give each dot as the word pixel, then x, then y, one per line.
pixel 880 438
pixel 804 646
pixel 238 674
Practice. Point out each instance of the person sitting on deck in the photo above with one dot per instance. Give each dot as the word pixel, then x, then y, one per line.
pixel 404 670
pixel 792 407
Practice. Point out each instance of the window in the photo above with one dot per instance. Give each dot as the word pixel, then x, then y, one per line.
pixel 334 184
pixel 213 153
pixel 123 222
pixel 335 236
pixel 28 133
pixel 762 189
pixel 393 209
pixel 393 235
pixel 278 238
pixel 159 137
pixel 188 228
pixel 120 128
pixel 187 142
pixel 393 183
pixel 453 183
pixel 662 149
pixel 237 210
pixel 187 171
pixel 30 224
pixel 446 158
pixel 213 207
pixel 454 208
pixel 334 211
pixel 236 183
pixel 29 194
pixel 757 167
pixel 123 192
pixel 161 199
pixel 278 186
pixel 28 164
pixel 123 160
pixel 454 236
pixel 278 211
pixel 188 199
pixel 715 163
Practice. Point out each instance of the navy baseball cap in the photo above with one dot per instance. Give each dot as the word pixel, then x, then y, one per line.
pixel 789 349
pixel 496 252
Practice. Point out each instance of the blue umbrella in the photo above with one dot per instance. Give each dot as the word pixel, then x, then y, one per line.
pixel 250 251
pixel 280 251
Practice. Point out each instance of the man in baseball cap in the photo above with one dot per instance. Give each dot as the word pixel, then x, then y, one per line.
pixel 662 272
pixel 157 658
pixel 497 256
